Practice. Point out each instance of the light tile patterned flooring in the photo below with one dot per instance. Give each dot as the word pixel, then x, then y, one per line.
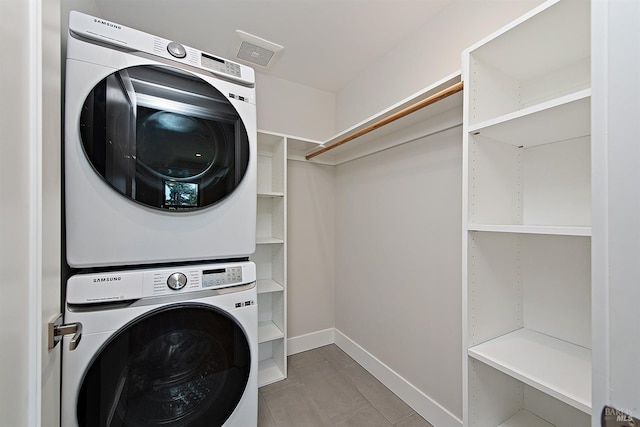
pixel 326 387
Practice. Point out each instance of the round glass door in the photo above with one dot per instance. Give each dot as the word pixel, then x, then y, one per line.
pixel 165 138
pixel 183 365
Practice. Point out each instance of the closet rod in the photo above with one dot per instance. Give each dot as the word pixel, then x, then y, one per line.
pixel 455 88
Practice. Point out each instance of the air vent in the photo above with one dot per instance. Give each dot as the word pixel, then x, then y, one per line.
pixel 255 51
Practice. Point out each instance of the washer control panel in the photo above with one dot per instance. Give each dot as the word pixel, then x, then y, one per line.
pixel 218 277
pixel 135 284
pixel 193 279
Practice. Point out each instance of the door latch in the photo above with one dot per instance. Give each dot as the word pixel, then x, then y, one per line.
pixel 57 330
pixel 612 417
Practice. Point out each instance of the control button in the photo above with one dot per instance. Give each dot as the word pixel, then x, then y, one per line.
pixel 176 50
pixel 177 281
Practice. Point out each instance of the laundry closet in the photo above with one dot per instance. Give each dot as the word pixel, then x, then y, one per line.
pixel 475 255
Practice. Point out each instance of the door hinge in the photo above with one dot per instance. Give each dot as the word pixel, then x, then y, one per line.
pixel 612 417
pixel 57 330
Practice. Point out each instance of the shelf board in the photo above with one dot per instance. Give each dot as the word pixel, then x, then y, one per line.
pixel 523 50
pixel 297 147
pixel 525 418
pixel 532 229
pixel 271 195
pixel 268 372
pixel 268 240
pixel 269 139
pixel 268 331
pixel 555 367
pixel 439 116
pixel 560 119
pixel 266 286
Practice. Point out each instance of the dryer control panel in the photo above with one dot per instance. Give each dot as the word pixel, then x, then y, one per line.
pixel 135 284
pixel 114 34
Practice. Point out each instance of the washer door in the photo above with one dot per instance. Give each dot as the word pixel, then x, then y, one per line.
pixel 181 365
pixel 164 138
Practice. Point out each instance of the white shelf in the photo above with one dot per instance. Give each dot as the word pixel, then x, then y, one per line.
pixel 541 56
pixel 268 241
pixel 549 37
pixel 556 120
pixel 547 184
pixel 270 218
pixel 525 418
pixel 269 372
pixel 444 114
pixel 271 164
pixel 268 331
pixel 270 195
pixel 553 366
pixel 269 141
pixel 297 148
pixel 267 286
pixel 532 229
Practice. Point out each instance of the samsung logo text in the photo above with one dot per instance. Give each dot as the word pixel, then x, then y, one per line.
pixel 107 23
pixel 107 279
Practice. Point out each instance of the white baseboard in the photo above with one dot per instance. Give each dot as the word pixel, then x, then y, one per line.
pixel 416 399
pixel 419 402
pixel 310 341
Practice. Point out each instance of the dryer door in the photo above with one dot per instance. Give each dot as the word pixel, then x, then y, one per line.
pixel 181 365
pixel 164 137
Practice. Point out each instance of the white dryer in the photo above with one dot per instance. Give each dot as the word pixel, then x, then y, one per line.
pixel 168 347
pixel 160 150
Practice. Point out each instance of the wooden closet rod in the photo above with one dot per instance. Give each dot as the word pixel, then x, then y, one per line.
pixel 444 93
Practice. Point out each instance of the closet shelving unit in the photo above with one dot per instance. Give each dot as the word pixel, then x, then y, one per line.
pixel 270 257
pixel 526 222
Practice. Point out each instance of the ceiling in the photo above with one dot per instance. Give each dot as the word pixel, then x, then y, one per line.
pixel 327 43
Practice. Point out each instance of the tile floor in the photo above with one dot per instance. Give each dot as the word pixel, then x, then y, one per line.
pixel 326 387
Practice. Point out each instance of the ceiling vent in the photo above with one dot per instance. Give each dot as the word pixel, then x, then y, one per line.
pixel 254 51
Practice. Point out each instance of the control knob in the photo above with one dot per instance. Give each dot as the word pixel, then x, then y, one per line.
pixel 177 281
pixel 176 50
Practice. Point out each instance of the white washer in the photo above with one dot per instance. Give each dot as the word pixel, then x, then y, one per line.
pixel 160 150
pixel 174 346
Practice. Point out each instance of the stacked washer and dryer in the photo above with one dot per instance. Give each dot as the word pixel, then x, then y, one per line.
pixel 160 205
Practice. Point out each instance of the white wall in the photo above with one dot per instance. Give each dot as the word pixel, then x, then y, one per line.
pixel 30 211
pixel 398 257
pixel 15 183
pixel 294 109
pixel 310 247
pixel 427 56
